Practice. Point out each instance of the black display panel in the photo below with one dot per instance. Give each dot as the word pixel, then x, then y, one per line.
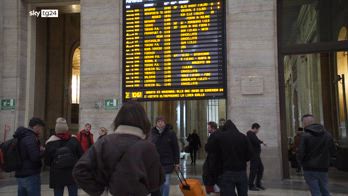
pixel 174 50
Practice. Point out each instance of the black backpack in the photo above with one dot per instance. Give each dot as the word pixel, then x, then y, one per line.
pixel 10 158
pixel 64 157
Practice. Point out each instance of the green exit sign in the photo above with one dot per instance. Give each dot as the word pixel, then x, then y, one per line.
pixel 8 104
pixel 111 104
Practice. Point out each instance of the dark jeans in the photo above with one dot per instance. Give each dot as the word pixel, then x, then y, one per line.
pixel 156 193
pixel 29 186
pixel 72 189
pixel 231 180
pixel 256 170
pixel 317 182
pixel 193 154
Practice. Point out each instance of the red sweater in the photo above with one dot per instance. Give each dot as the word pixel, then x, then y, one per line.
pixel 86 139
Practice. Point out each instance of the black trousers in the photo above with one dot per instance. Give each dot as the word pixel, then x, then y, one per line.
pixel 193 154
pixel 256 171
pixel 156 193
pixel 230 181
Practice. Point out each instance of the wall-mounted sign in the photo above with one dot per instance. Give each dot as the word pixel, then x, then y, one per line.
pixel 252 85
pixel 174 49
pixel 8 104
pixel 111 104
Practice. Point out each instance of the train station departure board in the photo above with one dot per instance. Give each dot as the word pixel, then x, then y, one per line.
pixel 173 50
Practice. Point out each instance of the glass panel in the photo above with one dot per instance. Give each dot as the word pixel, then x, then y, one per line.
pixel 342 86
pixel 310 21
pixel 303 90
pixel 317 84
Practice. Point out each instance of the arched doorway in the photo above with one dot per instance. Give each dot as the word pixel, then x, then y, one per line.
pixel 57 55
pixel 75 88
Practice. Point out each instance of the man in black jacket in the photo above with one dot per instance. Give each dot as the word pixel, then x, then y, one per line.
pixel 234 151
pixel 194 145
pixel 167 146
pixel 256 165
pixel 28 176
pixel 210 170
pixel 314 154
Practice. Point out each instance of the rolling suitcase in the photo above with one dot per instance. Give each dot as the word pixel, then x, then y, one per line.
pixel 190 187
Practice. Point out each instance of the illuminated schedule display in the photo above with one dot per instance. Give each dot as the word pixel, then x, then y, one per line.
pixel 173 49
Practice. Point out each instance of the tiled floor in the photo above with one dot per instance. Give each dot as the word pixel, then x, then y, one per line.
pixel 293 187
pixel 45 191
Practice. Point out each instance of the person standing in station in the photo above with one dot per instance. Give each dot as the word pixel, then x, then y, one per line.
pixel 234 151
pixel 125 162
pixel 62 152
pixel 210 170
pixel 221 123
pixel 168 149
pixel 102 132
pixel 295 148
pixel 194 145
pixel 256 165
pixel 85 137
pixel 316 149
pixel 28 175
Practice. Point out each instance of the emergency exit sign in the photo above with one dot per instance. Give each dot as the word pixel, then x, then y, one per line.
pixel 111 104
pixel 8 104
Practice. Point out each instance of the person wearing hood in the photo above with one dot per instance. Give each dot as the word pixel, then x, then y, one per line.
pixel 234 151
pixel 167 146
pixel 316 149
pixel 55 146
pixel 28 176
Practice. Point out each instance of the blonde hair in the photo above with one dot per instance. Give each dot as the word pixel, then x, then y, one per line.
pixel 103 130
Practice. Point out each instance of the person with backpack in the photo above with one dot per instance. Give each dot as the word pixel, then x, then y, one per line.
pixel 28 174
pixel 85 137
pixel 123 162
pixel 62 152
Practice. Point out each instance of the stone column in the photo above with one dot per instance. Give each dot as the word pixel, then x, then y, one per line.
pixel 101 35
pixel 13 62
pixel 252 58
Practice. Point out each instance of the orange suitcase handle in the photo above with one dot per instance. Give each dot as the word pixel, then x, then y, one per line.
pixel 185 185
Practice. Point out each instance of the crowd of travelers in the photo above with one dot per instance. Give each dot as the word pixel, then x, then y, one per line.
pixel 137 159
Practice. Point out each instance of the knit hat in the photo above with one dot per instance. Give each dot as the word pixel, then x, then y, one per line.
pixel 61 125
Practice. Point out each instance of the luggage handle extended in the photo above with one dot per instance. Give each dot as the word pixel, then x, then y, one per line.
pixel 185 186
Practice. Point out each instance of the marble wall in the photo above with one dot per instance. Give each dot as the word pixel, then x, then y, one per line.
pixel 252 53
pixel 13 62
pixel 100 60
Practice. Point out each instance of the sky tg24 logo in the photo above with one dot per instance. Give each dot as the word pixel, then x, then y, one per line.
pixel 45 13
